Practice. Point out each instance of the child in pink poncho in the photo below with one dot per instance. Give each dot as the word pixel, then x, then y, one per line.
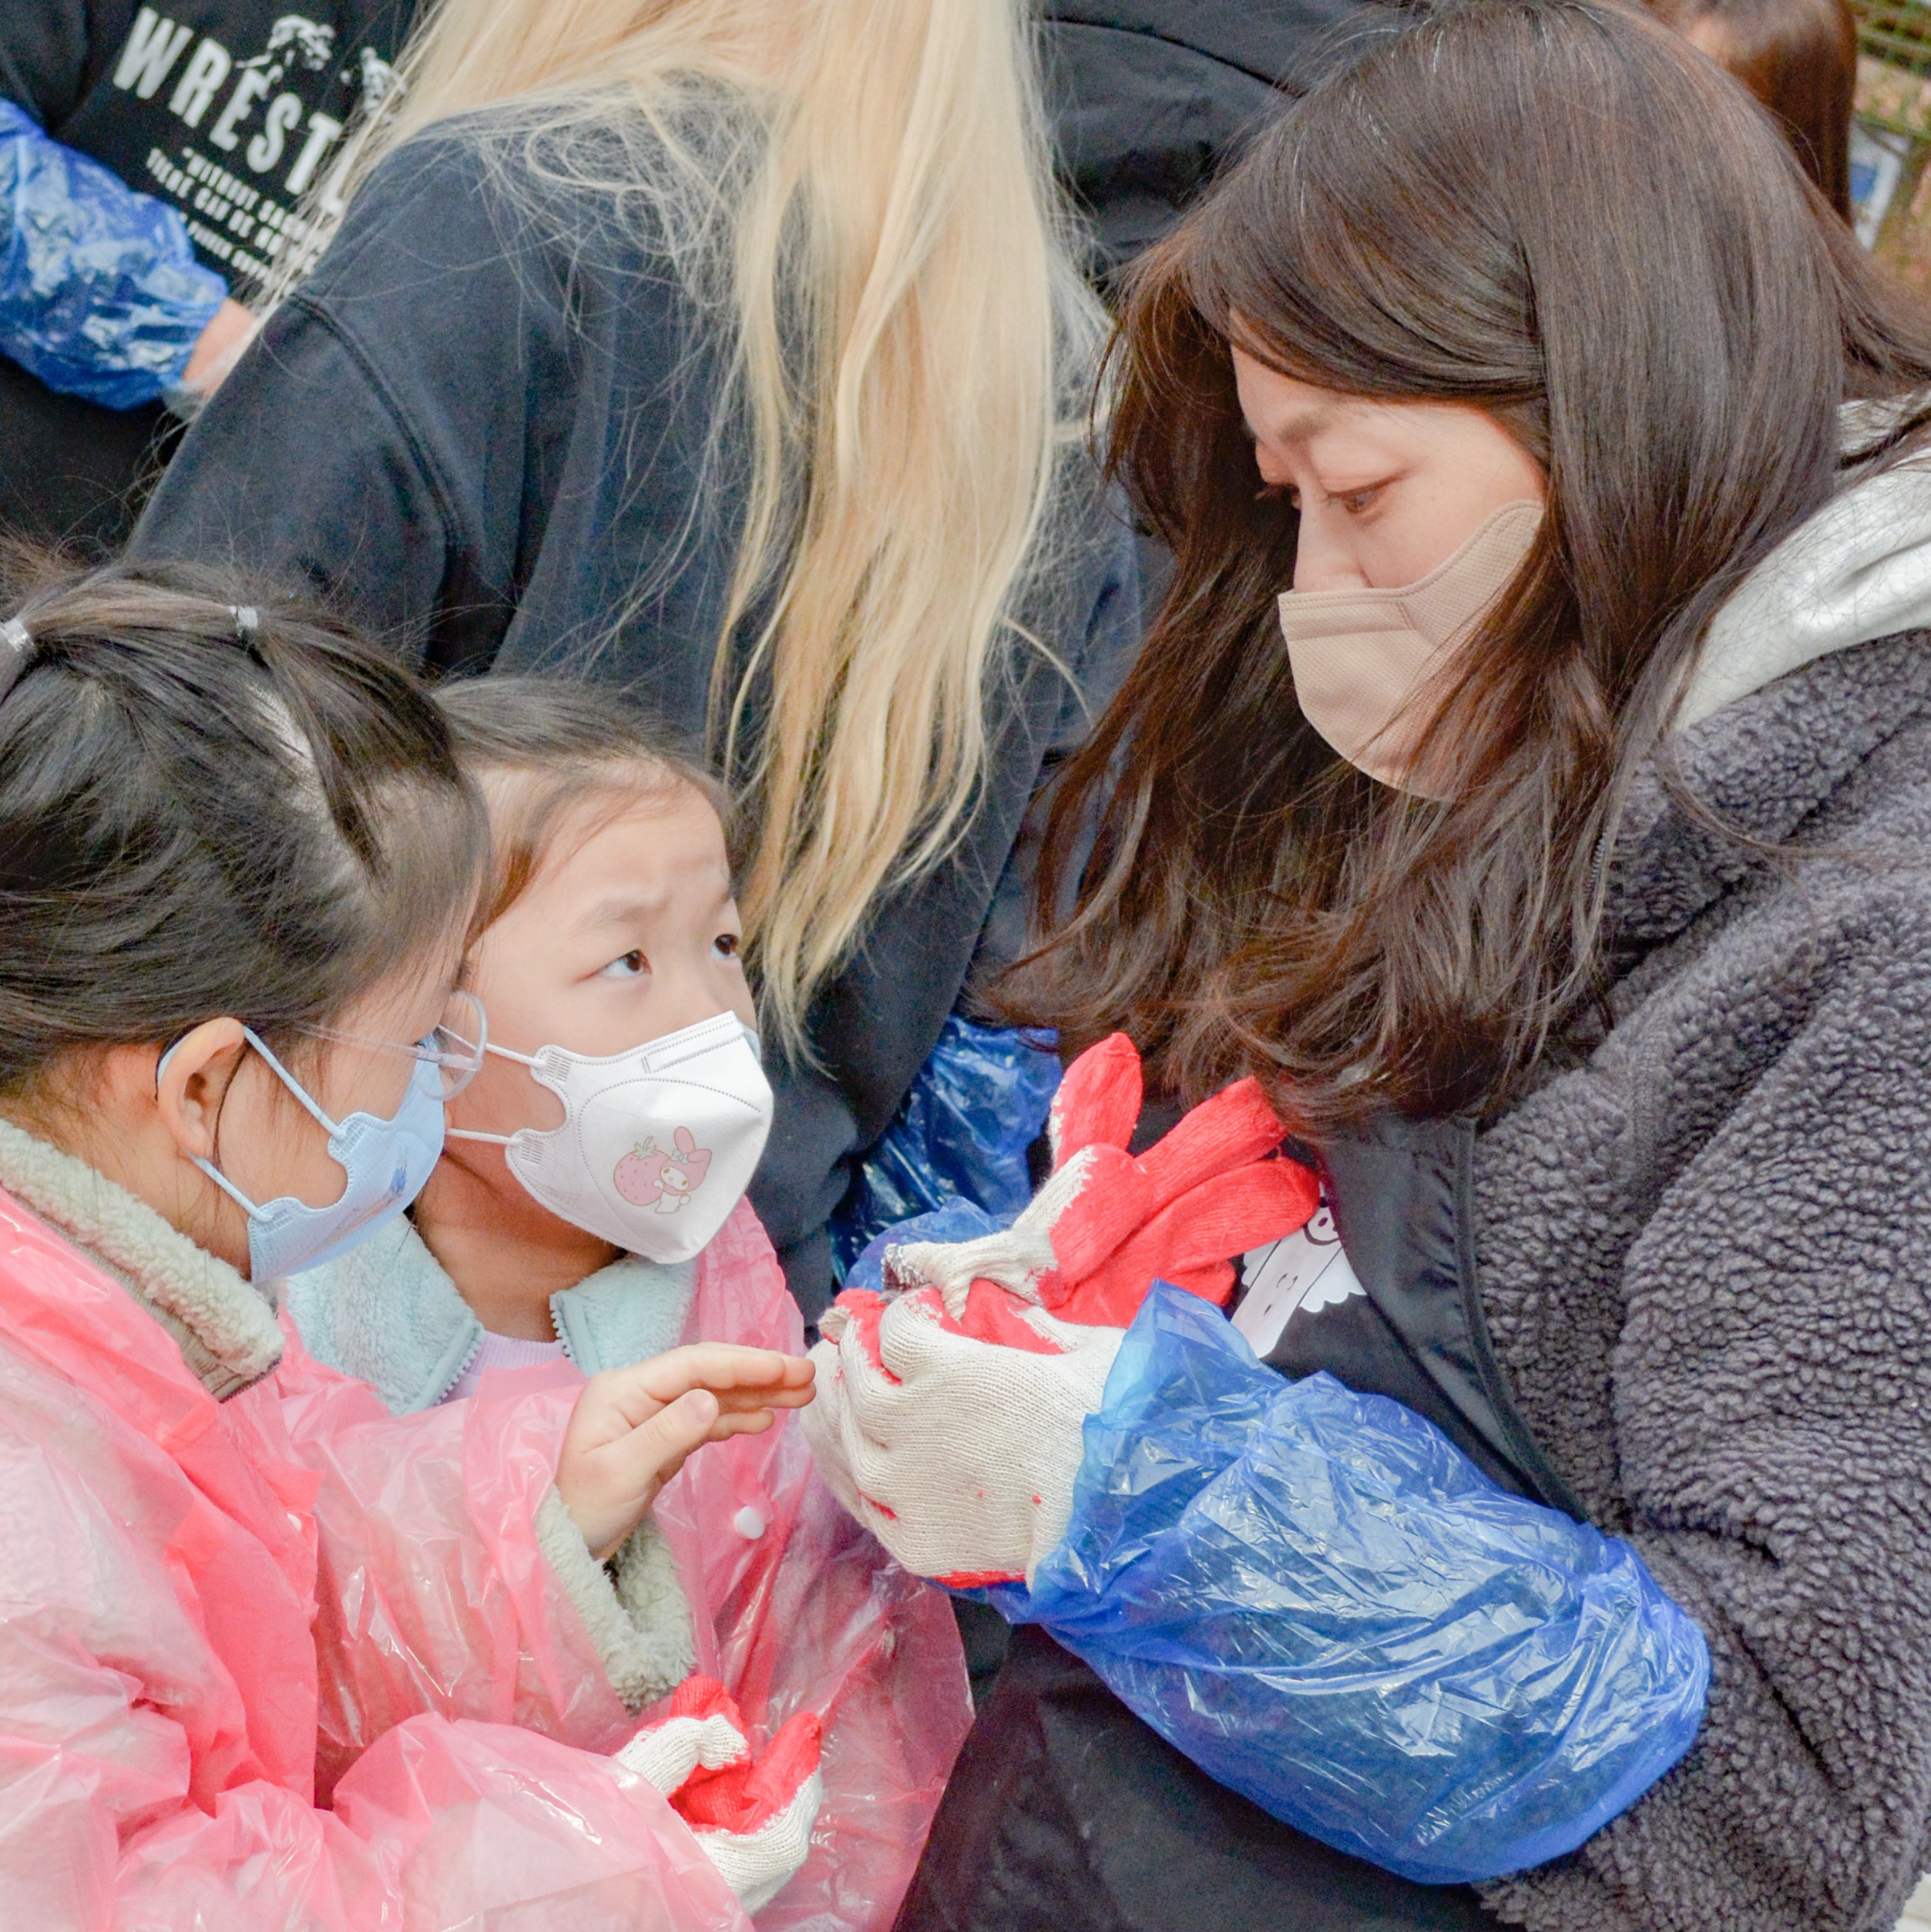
pixel 271 1658
pixel 588 1213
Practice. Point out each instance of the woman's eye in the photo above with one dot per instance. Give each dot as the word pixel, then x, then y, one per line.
pixel 626 968
pixel 1354 502
pixel 725 945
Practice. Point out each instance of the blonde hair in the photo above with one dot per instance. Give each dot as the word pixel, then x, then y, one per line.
pixel 910 349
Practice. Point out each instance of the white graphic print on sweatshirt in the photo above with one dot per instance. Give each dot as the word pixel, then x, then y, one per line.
pixel 251 135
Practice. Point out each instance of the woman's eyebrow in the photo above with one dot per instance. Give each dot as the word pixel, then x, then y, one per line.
pixel 1303 424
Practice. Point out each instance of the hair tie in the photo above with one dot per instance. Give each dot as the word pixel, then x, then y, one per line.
pixel 247 617
pixel 18 640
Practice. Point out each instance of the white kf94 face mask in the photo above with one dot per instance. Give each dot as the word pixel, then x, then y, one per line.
pixel 657 1143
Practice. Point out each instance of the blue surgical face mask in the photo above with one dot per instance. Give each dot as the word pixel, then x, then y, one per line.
pixel 388 1164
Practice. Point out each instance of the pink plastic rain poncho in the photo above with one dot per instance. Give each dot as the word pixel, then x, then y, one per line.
pixel 198 1600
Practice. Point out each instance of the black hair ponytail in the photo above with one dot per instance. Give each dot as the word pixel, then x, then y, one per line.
pixel 211 801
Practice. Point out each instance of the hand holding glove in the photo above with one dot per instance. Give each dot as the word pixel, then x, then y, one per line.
pixel 752 1815
pixel 957 1451
pixel 948 1419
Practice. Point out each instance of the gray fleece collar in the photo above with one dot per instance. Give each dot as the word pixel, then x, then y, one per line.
pixel 1859 569
pixel 1762 765
pixel 388 1313
pixel 225 1327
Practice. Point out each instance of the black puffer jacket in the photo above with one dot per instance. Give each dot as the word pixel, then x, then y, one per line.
pixel 1683 1287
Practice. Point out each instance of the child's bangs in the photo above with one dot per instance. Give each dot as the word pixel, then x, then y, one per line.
pixel 558 760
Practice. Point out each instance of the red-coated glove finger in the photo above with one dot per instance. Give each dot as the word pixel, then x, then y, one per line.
pixel 1098 1102
pixel 992 1315
pixel 1191 1242
pixel 744 1796
pixel 1113 1216
pixel 1114 1198
pixel 699 1696
pixel 863 1308
pixel 1222 1218
pixel 1236 1126
pixel 1111 1299
pixel 699 1731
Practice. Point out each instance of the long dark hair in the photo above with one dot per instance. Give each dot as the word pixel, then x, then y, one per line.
pixel 1547 209
pixel 203 813
pixel 1799 57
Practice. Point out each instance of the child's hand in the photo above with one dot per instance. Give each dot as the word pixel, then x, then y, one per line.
pixel 631 1428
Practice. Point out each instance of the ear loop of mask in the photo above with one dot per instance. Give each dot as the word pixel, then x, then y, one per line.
pixel 288 1079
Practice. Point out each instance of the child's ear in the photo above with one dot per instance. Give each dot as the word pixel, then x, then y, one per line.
pixel 191 1081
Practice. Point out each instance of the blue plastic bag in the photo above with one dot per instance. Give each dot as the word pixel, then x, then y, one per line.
pixel 100 293
pixel 959 1219
pixel 979 1102
pixel 1322 1602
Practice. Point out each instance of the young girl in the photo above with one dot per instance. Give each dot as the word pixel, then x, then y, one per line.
pixel 237 859
pixel 589 1206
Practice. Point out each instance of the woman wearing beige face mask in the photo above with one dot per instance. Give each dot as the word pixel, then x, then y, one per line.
pixel 1412 516
pixel 1528 777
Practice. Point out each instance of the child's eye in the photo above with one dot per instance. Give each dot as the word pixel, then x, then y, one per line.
pixel 1355 502
pixel 632 963
pixel 725 945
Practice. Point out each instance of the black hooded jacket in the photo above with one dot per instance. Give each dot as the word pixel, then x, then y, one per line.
pixel 1151 98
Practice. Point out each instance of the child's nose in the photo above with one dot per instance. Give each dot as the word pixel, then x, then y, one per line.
pixel 692 989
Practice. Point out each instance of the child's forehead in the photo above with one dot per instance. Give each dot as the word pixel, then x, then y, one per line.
pixel 610 785
pixel 647 849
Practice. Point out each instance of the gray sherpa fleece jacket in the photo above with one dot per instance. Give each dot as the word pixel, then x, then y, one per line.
pixel 1704 1246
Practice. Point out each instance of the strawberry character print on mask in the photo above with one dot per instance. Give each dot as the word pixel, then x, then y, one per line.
pixel 656 1144
pixel 647 1176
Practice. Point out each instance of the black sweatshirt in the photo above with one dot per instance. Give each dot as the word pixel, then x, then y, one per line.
pixel 489 443
pixel 226 110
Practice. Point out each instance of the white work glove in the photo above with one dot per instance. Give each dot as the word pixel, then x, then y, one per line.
pixel 958 1450
pixel 753 1817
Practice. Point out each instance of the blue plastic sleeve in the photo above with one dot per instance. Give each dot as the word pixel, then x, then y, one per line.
pixel 100 293
pixel 978 1103
pixel 1322 1602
